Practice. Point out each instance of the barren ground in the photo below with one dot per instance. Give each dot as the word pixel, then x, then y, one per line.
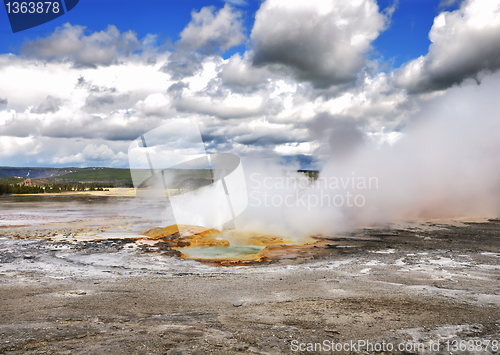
pixel 414 284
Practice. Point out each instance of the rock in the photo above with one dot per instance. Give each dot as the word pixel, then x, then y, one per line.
pixel 241 347
pixel 172 232
pixel 237 304
pixel 165 245
pixel 183 243
pixel 332 331
pixel 173 253
pixel 167 233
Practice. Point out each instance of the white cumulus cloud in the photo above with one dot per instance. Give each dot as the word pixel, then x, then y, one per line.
pixel 319 41
pixel 464 44
pixel 71 43
pixel 211 30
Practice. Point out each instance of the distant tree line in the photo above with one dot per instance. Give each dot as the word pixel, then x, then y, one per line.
pixel 18 189
pixel 56 188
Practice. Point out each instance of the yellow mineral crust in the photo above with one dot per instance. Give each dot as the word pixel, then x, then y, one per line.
pixel 254 238
pixel 265 240
pixel 198 236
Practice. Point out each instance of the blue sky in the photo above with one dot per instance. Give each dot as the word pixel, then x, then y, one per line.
pixel 405 39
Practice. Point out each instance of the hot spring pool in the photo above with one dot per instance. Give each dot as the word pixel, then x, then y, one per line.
pixel 231 252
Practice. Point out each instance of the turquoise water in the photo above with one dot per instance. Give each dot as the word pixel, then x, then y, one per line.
pixel 221 252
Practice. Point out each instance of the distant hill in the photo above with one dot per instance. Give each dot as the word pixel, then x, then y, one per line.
pixel 11 174
pixel 96 174
pixel 34 173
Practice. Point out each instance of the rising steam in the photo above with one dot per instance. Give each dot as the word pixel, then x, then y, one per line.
pixel 446 164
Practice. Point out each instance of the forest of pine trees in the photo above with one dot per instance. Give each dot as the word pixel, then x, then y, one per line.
pixel 6 189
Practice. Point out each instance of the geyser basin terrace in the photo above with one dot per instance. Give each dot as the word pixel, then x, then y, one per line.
pixel 80 281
